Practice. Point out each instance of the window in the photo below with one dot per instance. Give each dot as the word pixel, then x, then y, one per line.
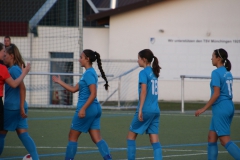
pixel 59 95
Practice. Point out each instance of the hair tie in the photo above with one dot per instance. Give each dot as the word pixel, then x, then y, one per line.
pixel 219 54
pixel 95 53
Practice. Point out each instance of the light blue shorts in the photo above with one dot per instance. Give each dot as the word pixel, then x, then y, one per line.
pixel 149 125
pixel 222 117
pixel 90 121
pixel 13 120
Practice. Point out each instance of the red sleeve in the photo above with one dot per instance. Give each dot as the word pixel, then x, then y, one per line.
pixel 4 74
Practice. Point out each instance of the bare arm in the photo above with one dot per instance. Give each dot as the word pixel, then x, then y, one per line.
pixel 72 89
pixel 142 100
pixel 22 99
pixel 14 83
pixel 93 95
pixel 214 97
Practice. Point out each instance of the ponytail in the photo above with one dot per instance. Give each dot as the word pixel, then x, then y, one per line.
pixel 99 63
pixel 155 66
pixel 148 54
pixel 228 65
pixel 222 53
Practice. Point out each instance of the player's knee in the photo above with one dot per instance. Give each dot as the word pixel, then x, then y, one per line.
pixel 96 139
pixel 224 140
pixel 212 138
pixel 72 137
pixel 153 138
pixel 222 143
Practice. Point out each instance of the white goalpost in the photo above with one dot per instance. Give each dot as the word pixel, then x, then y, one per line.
pixel 192 77
pixel 42 92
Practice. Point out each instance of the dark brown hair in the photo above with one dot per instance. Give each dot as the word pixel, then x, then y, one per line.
pixel 93 56
pixel 222 53
pixel 13 50
pixel 148 55
pixel 7 37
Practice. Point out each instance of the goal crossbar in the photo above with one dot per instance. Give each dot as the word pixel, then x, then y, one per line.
pixel 192 77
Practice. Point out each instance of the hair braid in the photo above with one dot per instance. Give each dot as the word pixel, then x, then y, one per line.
pixel 99 62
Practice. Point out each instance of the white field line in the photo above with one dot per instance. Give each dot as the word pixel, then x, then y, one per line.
pixel 164 150
pixel 164 114
pixel 46 147
pixel 179 155
pixel 175 150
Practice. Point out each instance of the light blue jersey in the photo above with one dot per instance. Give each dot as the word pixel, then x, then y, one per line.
pixel 89 77
pixel 93 111
pixel 223 107
pixel 12 95
pixel 151 111
pixel 223 79
pixel 146 76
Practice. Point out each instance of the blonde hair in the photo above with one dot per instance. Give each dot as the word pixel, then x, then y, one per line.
pixel 13 50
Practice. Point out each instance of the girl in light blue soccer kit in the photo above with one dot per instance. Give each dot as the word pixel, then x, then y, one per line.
pixel 88 112
pixel 146 118
pixel 15 106
pixel 222 106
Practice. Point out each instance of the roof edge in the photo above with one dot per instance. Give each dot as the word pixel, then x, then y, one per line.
pixel 107 14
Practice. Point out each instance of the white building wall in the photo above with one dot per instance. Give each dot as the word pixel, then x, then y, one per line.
pixel 56 39
pixel 130 32
pixel 97 39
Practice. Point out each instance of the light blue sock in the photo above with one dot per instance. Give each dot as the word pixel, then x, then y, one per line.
pixel 2 140
pixel 131 149
pixel 157 151
pixel 212 150
pixel 233 150
pixel 71 150
pixel 104 150
pixel 29 145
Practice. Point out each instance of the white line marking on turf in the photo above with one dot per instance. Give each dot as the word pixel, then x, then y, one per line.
pixel 163 114
pixel 65 111
pixel 44 147
pixel 180 155
pixel 182 150
pixel 174 150
pixel 196 154
pixel 139 158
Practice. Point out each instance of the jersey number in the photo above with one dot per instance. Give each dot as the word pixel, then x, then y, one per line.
pixel 154 87
pixel 229 84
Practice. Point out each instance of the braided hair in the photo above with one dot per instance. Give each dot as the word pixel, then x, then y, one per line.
pixel 93 56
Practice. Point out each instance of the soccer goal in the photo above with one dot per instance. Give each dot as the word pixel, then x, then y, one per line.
pixel 42 92
pixel 192 77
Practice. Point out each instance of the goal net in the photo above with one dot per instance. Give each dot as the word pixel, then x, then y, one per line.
pixel 122 76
